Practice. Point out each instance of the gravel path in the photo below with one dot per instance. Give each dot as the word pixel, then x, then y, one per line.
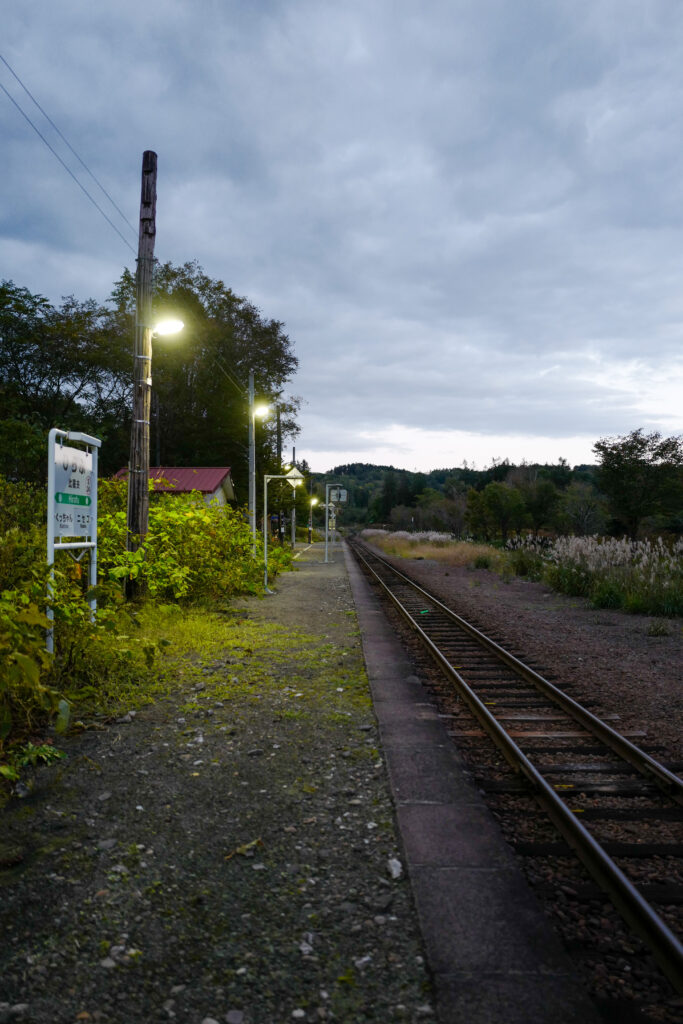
pixel 220 857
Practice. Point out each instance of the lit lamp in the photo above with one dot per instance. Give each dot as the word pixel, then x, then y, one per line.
pixel 314 501
pixel 261 411
pixel 138 467
pixel 294 477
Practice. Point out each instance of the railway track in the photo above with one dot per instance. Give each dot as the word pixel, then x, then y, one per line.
pixel 590 780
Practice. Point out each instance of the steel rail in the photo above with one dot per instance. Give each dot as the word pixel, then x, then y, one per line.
pixel 645 764
pixel 636 911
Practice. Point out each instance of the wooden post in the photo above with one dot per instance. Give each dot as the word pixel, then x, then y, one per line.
pixel 138 468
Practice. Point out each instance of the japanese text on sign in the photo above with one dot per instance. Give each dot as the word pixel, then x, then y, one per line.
pixel 73 492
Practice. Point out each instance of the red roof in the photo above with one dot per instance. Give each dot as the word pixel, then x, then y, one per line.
pixel 185 478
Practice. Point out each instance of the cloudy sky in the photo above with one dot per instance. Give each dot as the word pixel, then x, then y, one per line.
pixel 468 213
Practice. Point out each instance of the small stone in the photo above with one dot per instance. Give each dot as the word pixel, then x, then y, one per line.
pixel 234 1017
pixel 124 720
pixel 104 796
pixel 108 963
pixel 106 844
pixel 298 1014
pixel 256 752
pixel 209 1020
pixel 394 867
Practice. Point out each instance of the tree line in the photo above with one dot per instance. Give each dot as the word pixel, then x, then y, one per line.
pixel 635 486
pixel 70 365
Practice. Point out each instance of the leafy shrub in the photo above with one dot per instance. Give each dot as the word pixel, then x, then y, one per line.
pixel 22 505
pixel 26 698
pixel 527 563
pixel 192 551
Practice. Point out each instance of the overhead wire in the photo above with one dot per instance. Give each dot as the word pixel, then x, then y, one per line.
pixel 62 162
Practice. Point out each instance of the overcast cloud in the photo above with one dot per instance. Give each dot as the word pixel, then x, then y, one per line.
pixel 468 214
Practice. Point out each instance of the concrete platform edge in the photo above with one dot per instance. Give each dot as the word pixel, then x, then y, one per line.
pixel 492 952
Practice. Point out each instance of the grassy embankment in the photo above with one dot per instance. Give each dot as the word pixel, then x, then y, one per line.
pixel 644 577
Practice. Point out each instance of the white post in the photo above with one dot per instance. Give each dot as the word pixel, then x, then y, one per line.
pixel 327 517
pixel 50 638
pixel 93 537
pixel 265 534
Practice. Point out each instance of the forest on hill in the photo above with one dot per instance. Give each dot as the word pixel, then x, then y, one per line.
pixel 635 484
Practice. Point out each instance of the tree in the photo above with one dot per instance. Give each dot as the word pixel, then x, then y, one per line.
pixel 66 366
pixel 200 412
pixel 581 511
pixel 641 475
pixel 540 499
pixel 504 507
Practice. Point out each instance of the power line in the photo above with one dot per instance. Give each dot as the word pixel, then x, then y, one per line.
pixel 67 169
pixel 67 143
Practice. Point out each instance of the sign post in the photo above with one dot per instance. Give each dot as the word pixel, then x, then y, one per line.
pixel 333 493
pixel 71 505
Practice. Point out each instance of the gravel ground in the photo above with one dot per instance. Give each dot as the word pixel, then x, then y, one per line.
pixel 220 858
pixel 604 656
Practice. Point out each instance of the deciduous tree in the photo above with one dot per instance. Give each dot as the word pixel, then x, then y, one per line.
pixel 641 475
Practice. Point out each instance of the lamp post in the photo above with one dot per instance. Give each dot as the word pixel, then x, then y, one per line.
pixel 294 477
pixel 327 514
pixel 254 411
pixel 138 467
pixel 314 501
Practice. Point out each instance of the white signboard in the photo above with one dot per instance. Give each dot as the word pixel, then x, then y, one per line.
pixel 339 495
pixel 74 487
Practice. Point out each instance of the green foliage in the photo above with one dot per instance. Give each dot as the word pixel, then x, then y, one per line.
pixel 192 551
pixel 26 701
pixel 22 505
pixel 641 475
pixel 527 563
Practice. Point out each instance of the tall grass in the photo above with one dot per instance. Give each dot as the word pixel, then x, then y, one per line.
pixel 645 577
pixel 437 546
pixel 636 576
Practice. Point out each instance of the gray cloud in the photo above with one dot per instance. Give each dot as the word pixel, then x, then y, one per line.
pixel 444 202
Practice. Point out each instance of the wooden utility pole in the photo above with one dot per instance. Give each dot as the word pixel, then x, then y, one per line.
pixel 138 467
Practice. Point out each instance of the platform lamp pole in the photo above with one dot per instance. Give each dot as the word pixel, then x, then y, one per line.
pixel 294 477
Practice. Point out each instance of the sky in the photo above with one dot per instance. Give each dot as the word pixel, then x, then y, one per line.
pixel 468 213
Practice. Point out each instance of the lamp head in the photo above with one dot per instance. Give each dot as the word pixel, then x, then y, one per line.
pixel 169 326
pixel 294 477
pixel 261 410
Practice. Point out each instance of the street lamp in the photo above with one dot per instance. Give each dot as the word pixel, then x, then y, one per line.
pixel 314 501
pixel 254 411
pixel 294 477
pixel 138 467
pixel 329 506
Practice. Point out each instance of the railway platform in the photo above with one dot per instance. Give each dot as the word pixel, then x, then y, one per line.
pixel 492 953
pixel 262 844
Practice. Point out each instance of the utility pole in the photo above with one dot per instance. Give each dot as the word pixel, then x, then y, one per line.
pixel 138 467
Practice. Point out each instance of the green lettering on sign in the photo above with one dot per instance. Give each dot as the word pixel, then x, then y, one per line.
pixel 72 499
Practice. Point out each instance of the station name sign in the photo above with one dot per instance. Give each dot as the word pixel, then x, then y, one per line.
pixel 74 487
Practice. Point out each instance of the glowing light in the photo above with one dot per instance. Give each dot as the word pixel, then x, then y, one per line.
pixel 170 326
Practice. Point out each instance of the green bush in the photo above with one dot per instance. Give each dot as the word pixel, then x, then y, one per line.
pixel 528 563
pixel 192 551
pixel 26 698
